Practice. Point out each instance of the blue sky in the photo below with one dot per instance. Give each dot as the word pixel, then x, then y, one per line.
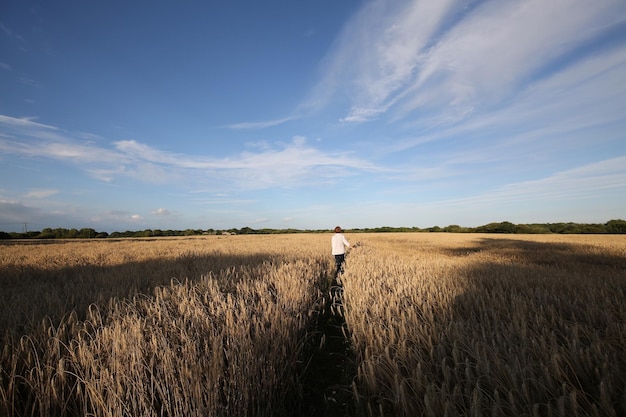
pixel 141 115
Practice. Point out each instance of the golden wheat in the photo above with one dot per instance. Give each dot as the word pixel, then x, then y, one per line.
pixel 476 325
pixel 222 338
pixel 441 324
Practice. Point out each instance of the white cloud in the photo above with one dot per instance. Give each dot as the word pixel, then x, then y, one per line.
pixel 288 165
pixel 550 113
pixel 500 46
pixel 15 215
pixel 291 164
pixel 14 211
pixel 420 56
pixel 6 30
pixel 582 182
pixel 41 193
pixel 593 192
pixel 161 212
pixel 219 200
pixel 259 125
pixel 23 136
pixel 259 220
pixel 24 122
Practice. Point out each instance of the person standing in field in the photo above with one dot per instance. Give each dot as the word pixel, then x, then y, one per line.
pixel 339 245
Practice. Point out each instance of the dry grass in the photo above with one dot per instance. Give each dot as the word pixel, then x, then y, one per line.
pixel 488 325
pixel 441 324
pixel 222 338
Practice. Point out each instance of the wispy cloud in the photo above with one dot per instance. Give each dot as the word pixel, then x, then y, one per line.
pixel 415 57
pixel 26 137
pixel 161 212
pixel 293 164
pixel 501 47
pixel 576 183
pixel 587 94
pixel 206 197
pixel 259 220
pixel 296 163
pixel 550 198
pixel 259 125
pixel 24 122
pixel 15 211
pixel 124 217
pixel 6 30
pixel 40 193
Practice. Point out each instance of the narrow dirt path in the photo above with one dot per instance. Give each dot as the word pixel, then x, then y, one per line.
pixel 327 382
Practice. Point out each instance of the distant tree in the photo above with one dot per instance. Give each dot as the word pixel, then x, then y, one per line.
pixel 502 227
pixel 454 228
pixel 539 228
pixel 616 226
pixel 612 226
pixel 505 227
pixel 592 228
pixel 487 228
pixel 86 233
pixel 571 228
pixel 47 233
pixel 522 229
pixel 529 229
pixel 559 227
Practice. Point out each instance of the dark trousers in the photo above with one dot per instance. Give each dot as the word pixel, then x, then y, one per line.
pixel 339 259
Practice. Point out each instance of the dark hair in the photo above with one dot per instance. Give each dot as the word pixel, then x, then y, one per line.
pixel 337 229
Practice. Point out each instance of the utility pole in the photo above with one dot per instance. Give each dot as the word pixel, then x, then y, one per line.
pixel 25 227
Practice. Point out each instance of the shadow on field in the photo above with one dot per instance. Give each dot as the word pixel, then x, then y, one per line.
pixel 31 294
pixel 544 253
pixel 556 276
pixel 543 323
pixel 331 367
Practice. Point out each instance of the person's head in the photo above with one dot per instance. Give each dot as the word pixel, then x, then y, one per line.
pixel 337 229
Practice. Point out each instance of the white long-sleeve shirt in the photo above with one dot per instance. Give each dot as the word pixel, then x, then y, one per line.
pixel 339 244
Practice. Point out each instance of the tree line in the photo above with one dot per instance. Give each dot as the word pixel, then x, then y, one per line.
pixel 616 226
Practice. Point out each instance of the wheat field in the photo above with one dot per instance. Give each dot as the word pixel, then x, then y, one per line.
pixel 435 325
pixel 474 325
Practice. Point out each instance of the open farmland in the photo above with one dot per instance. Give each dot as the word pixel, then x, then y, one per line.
pixel 435 324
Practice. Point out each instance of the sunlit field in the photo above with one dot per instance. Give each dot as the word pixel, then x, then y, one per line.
pixel 478 325
pixel 435 324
